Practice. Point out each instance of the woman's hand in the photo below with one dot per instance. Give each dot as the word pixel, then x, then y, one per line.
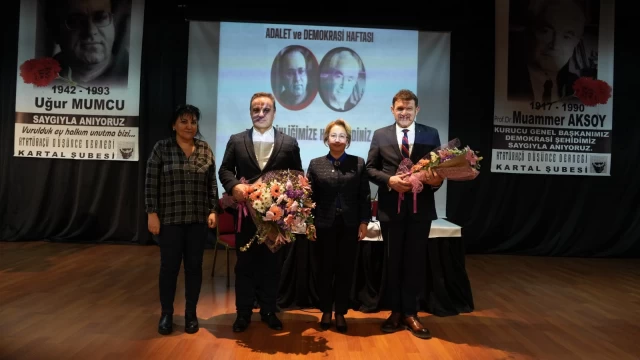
pixel 213 220
pixel 362 231
pixel 153 223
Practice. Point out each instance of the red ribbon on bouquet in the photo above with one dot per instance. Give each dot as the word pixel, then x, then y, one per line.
pixel 415 201
pixel 404 169
pixel 243 210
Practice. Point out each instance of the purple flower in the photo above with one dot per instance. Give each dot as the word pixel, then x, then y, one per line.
pixel 294 194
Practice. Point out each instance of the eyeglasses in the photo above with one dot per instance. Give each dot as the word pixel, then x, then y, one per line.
pixel 98 18
pixel 338 136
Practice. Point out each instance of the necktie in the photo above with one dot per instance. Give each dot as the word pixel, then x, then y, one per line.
pixel 546 95
pixel 405 144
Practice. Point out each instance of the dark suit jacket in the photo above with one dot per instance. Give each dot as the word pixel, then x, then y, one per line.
pixel 349 183
pixel 240 158
pixel 382 163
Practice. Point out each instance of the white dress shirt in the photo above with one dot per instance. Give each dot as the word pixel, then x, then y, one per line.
pixel 263 145
pixel 411 134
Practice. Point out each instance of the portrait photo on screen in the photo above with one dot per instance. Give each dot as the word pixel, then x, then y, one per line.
pixel 294 77
pixel 342 79
pixel 89 38
pixel 551 44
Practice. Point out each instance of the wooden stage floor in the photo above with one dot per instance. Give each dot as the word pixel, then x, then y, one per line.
pixel 74 301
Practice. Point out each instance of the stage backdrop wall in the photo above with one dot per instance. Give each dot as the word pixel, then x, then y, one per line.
pixel 343 72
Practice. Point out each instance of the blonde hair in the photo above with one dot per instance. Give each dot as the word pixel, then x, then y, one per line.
pixel 339 122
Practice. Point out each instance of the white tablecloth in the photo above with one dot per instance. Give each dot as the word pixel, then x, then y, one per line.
pixel 439 228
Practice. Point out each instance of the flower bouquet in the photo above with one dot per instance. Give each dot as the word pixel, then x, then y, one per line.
pixel 228 202
pixel 280 206
pixel 448 161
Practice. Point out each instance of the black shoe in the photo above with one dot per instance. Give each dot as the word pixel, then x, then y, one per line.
pixel 191 323
pixel 242 323
pixel 325 322
pixel 272 320
pixel 393 323
pixel 341 323
pixel 165 327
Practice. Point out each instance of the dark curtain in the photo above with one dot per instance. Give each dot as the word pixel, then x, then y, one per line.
pixel 8 62
pixel 90 201
pixel 535 214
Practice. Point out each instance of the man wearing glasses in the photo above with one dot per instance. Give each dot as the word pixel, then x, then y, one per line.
pixel 85 31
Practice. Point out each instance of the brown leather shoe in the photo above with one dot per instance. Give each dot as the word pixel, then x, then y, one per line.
pixel 392 324
pixel 412 323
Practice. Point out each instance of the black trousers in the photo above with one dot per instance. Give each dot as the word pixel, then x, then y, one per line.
pixel 257 273
pixel 406 249
pixel 335 252
pixel 178 242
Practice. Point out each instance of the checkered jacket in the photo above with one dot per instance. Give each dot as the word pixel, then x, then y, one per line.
pixel 181 190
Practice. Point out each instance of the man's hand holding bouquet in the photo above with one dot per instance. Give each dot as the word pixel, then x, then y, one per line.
pixel 279 204
pixel 448 161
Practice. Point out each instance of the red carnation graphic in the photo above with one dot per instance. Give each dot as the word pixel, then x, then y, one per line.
pixel 592 92
pixel 40 72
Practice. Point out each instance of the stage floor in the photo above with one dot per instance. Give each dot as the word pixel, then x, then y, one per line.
pixel 73 301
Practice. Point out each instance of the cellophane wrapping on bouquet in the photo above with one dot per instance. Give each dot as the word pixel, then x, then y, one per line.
pixel 280 205
pixel 449 161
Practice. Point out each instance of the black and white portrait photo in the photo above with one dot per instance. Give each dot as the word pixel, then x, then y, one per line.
pixel 551 44
pixel 294 75
pixel 342 79
pixel 89 38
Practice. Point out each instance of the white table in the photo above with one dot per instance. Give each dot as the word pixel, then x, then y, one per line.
pixel 440 228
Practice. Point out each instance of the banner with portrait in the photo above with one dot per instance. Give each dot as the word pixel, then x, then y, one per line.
pixel 78 83
pixel 553 86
